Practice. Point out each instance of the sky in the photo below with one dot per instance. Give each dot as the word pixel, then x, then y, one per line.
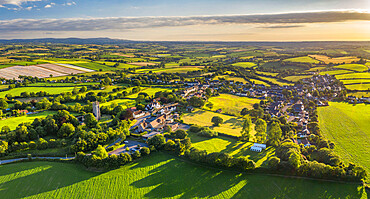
pixel 190 20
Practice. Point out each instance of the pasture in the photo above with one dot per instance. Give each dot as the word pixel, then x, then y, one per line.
pixel 50 90
pixel 13 122
pixel 305 59
pixel 348 127
pixel 233 147
pixel 354 76
pixel 231 126
pixel 297 77
pixel 159 176
pixel 275 81
pixel 245 64
pixel 353 67
pixel 231 104
pixel 231 78
pixel 169 70
pixel 335 72
pixel 360 86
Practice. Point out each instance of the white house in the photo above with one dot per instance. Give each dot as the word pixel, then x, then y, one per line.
pixel 138 114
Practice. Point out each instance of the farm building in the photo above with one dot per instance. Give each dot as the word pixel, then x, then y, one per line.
pixel 258 147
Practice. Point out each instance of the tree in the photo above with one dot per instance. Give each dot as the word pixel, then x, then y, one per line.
pixel 100 152
pixel 273 162
pixel 66 130
pixel 157 141
pixel 295 160
pixel 3 146
pixel 261 130
pixel 22 132
pixel 244 111
pixel 5 130
pixel 83 89
pixel 196 101
pixel 217 121
pixel 145 151
pixel 274 134
pixel 3 103
pixel 90 120
pixel 180 134
pixel 210 105
pixel 247 124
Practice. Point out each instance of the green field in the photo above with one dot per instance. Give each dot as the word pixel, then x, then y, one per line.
pixel 305 59
pixel 362 87
pixel 149 91
pixel 50 90
pixel 275 81
pixel 13 122
pixel 244 64
pixel 232 147
pixel 232 125
pixel 354 76
pixel 61 84
pixel 231 78
pixel 231 104
pixel 335 72
pixel 348 127
pixel 127 102
pixel 158 176
pixel 354 67
pixel 297 77
pixel 168 70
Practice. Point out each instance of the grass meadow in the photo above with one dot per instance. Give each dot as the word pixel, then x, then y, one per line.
pixel 158 176
pixel 231 126
pixel 305 59
pixel 245 64
pixel 348 127
pixel 169 70
pixel 50 90
pixel 353 67
pixel 231 104
pixel 13 122
pixel 335 60
pixel 297 77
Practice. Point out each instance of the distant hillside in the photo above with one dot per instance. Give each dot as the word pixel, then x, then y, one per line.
pixel 69 41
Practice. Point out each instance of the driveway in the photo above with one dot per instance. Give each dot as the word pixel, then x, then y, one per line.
pixel 131 145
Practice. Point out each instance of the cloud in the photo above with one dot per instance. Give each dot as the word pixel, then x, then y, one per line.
pixel 282 26
pixel 29 8
pixel 50 5
pixel 285 20
pixel 15 2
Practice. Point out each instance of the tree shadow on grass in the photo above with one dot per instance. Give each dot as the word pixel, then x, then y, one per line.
pixel 177 178
pixel 32 178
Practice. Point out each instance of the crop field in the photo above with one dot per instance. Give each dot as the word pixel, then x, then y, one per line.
pixel 13 122
pixel 169 70
pixel 348 127
pixel 56 84
pixel 94 66
pixel 142 63
pixel 245 64
pixel 297 77
pixel 353 67
pixel 267 73
pixel 335 60
pixel 360 94
pixel 158 176
pixel 50 90
pixel 305 59
pixel 232 104
pixel 316 69
pixel 41 71
pixel 231 126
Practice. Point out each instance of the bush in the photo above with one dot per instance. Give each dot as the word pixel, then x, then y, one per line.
pixel 208 133
pixel 145 151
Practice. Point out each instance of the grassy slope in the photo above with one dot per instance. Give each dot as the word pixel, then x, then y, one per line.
pixel 244 64
pixel 13 122
pixel 232 125
pixel 305 59
pixel 354 67
pixel 232 104
pixel 348 127
pixel 158 176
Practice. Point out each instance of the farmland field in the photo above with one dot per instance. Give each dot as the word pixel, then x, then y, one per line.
pixel 335 72
pixel 354 67
pixel 123 102
pixel 275 81
pixel 50 90
pixel 230 78
pixel 232 104
pixel 354 76
pixel 362 87
pixel 245 64
pixel 169 70
pixel 335 60
pixel 231 126
pixel 297 78
pixel 305 59
pixel 149 91
pixel 158 176
pixel 13 122
pixel 348 127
